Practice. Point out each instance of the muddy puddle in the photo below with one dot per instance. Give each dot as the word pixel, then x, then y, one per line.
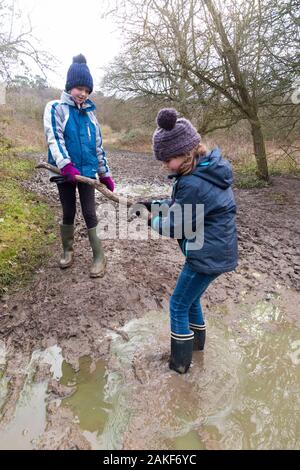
pixel 29 420
pixel 243 393
pixel 88 402
pixel 146 191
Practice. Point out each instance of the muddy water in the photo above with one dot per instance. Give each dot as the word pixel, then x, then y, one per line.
pixel 29 420
pixel 243 393
pixel 88 402
pixel 146 191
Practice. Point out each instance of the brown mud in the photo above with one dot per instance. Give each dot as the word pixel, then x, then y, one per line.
pixel 81 315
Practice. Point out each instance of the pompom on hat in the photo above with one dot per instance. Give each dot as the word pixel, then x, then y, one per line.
pixel 79 74
pixel 174 136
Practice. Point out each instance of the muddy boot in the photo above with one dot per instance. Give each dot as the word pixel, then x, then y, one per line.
pixel 99 261
pixel 181 354
pixel 67 238
pixel 199 336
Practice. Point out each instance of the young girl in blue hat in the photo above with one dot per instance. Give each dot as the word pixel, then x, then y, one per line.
pixel 202 180
pixel 75 146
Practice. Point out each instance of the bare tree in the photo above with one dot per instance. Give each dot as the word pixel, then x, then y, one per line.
pixel 218 62
pixel 18 47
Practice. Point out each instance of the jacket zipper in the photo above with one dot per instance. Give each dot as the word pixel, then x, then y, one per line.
pixel 78 125
pixel 88 131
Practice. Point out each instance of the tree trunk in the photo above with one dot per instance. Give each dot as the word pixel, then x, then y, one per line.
pixel 259 150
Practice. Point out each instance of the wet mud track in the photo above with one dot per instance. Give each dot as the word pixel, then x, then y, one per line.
pixel 82 315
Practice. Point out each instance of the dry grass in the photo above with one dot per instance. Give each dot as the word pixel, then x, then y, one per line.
pixel 26 135
pixel 136 140
pixel 22 126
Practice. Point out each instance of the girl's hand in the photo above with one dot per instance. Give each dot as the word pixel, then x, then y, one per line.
pixel 108 182
pixel 69 172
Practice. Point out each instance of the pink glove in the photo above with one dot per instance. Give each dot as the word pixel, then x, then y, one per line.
pixel 69 172
pixel 108 181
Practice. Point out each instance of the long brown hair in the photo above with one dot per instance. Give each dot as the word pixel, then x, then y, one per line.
pixel 191 159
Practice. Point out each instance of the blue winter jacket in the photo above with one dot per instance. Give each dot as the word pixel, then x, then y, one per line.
pixel 207 195
pixel 73 135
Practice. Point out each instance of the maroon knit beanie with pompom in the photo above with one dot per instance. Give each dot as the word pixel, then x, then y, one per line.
pixel 174 136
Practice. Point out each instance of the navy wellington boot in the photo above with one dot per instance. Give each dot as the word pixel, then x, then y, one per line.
pixel 181 353
pixel 199 336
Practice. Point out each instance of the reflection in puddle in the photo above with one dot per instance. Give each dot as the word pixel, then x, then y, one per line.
pixel 98 404
pixel 29 420
pixel 242 393
pixel 88 402
pixel 190 441
pixel 262 413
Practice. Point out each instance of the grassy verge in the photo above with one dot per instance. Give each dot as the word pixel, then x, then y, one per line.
pixel 26 224
pixel 245 172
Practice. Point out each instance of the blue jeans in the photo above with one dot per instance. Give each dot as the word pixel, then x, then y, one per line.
pixel 185 308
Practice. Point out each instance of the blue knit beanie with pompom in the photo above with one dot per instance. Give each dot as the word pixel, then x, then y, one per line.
pixel 174 136
pixel 79 74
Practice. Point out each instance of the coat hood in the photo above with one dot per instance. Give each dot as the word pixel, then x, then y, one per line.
pixel 215 169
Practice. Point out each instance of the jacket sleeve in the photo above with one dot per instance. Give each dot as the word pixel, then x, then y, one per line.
pixel 54 133
pixel 182 218
pixel 103 168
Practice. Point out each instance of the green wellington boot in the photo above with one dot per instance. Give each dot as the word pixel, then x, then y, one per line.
pixel 99 261
pixel 67 238
pixel 181 354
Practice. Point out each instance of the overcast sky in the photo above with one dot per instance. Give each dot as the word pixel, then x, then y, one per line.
pixel 68 27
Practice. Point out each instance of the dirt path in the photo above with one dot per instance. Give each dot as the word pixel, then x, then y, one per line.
pixel 71 310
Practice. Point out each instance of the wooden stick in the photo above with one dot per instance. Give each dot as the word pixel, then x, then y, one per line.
pixel 144 214
pixel 92 182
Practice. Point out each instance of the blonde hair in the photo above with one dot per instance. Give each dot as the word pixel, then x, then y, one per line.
pixel 190 161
